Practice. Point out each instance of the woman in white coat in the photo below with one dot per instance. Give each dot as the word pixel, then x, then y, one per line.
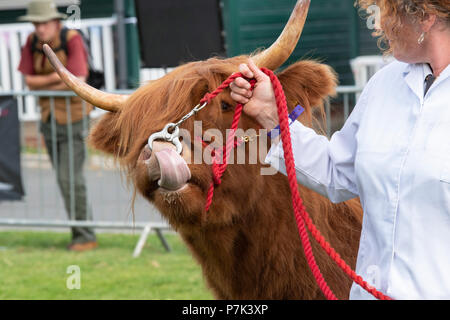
pixel 393 152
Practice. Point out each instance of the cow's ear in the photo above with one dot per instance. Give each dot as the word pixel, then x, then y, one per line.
pixel 308 83
pixel 105 135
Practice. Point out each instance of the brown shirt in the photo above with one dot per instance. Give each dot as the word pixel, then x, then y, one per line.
pixel 36 63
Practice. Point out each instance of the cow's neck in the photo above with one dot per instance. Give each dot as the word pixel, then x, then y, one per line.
pixel 261 257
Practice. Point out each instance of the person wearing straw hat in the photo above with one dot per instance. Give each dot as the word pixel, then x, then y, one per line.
pixel 57 113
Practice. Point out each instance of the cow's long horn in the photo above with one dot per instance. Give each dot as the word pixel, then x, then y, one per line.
pixel 106 101
pixel 282 48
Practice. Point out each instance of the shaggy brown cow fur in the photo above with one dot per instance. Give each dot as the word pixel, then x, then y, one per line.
pixel 248 243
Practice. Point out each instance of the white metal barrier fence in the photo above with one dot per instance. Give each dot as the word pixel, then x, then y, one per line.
pixel 339 108
pixel 100 34
pixel 108 195
pixel 13 38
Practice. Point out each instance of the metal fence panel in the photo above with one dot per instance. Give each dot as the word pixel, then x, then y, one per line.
pixel 13 37
pixel 107 193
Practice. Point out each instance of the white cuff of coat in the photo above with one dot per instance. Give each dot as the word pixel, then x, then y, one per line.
pixel 321 183
pixel 275 156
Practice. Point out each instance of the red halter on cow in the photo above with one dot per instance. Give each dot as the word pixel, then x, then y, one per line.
pixel 247 243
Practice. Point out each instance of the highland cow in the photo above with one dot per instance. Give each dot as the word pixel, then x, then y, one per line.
pixel 247 243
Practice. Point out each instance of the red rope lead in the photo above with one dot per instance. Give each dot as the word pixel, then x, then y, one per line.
pixel 219 168
pixel 301 216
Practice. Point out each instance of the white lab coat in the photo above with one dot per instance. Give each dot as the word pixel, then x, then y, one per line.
pixel 394 153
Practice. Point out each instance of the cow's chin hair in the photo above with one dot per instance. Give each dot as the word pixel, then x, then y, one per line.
pixel 183 207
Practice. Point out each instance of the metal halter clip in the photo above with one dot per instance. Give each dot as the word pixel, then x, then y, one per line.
pixel 194 111
pixel 174 137
pixel 164 134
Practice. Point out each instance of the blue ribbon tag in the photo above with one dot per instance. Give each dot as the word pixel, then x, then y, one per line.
pixel 298 110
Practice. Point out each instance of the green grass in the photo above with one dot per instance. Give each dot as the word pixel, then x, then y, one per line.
pixel 34 150
pixel 28 149
pixel 33 265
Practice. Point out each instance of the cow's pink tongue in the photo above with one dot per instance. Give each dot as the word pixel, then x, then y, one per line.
pixel 174 170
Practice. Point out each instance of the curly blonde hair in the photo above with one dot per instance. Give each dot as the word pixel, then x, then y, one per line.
pixel 393 13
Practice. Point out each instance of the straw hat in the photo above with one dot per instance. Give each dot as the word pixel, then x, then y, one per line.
pixel 42 11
